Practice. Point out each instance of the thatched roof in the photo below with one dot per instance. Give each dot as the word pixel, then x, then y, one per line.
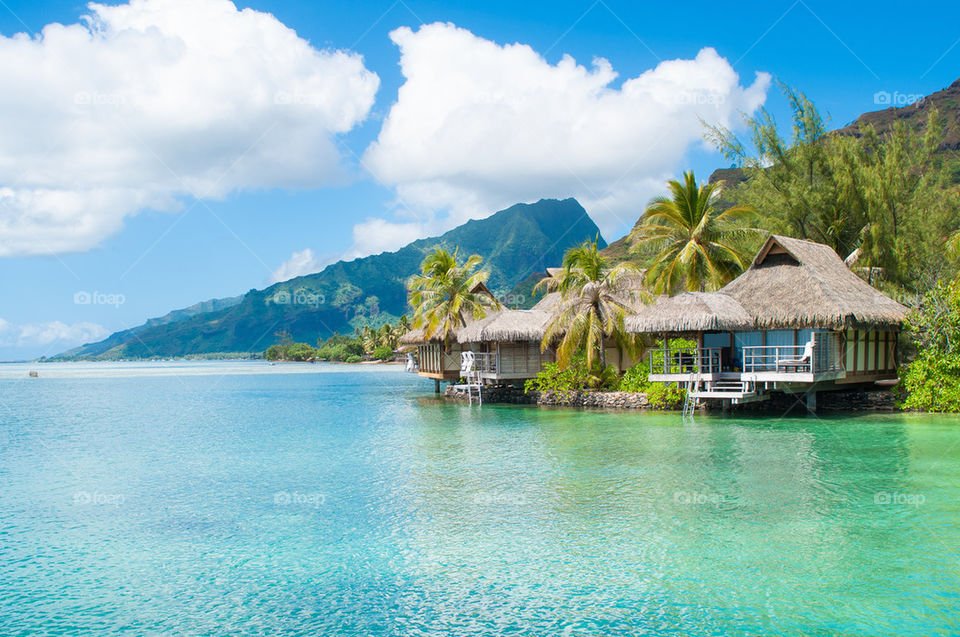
pixel 801 284
pixel 691 312
pixel 413 337
pixel 508 325
pixel 791 284
pixel 548 302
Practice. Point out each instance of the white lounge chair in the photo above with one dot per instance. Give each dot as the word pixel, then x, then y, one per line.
pixel 798 363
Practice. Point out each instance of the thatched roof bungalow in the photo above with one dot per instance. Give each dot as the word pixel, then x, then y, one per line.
pixel 801 284
pixel 796 316
pixel 439 360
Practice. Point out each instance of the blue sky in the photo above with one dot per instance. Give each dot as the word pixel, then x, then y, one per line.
pixel 150 261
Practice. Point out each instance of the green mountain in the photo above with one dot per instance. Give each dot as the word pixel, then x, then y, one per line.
pixel 118 339
pixel 515 243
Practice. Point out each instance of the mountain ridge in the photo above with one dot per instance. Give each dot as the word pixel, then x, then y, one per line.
pixel 515 243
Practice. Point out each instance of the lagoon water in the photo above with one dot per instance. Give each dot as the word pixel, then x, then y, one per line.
pixel 242 498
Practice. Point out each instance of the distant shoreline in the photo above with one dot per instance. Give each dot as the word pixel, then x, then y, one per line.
pixel 30 371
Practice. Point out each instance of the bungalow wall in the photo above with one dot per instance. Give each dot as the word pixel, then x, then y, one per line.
pixel 870 354
pixel 436 362
pixel 619 359
pixel 519 359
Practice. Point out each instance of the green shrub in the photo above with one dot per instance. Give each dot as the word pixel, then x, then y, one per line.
pixel 576 377
pixel 353 358
pixel 635 378
pixel 659 395
pixel 931 382
pixel 383 352
pixel 299 352
pixel 274 353
pixel 664 395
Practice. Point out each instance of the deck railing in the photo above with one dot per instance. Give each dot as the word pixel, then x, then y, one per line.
pixel 823 358
pixel 433 359
pixel 685 360
pixel 485 363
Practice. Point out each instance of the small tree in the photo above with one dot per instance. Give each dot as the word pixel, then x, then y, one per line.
pixel 442 294
pixel 932 381
pixel 594 299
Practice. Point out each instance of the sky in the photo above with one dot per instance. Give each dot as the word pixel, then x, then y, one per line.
pixel 157 153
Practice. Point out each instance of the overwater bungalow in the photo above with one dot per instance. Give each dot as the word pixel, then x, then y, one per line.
pixel 797 320
pixel 505 345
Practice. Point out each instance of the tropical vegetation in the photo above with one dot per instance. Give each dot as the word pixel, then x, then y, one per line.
pixel 365 344
pixel 932 381
pixel 594 299
pixel 885 202
pixel 697 246
pixel 446 293
pixel 575 377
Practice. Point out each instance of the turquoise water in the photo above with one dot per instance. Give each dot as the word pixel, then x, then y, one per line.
pixel 243 499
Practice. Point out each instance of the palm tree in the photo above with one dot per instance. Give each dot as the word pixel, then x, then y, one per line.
pixel 443 296
pixel 368 338
pixel 699 247
pixel 593 304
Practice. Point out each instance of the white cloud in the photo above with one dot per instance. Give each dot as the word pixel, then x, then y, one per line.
pixel 147 102
pixel 300 263
pixel 374 236
pixel 54 332
pixel 478 126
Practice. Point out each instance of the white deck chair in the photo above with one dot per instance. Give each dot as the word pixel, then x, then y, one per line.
pixel 804 361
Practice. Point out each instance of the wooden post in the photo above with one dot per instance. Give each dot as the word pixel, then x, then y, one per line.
pixel 700 352
pixel 436 385
pixel 666 368
pixel 876 350
pixel 856 351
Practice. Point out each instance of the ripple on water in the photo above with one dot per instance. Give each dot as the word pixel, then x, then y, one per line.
pixel 320 503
